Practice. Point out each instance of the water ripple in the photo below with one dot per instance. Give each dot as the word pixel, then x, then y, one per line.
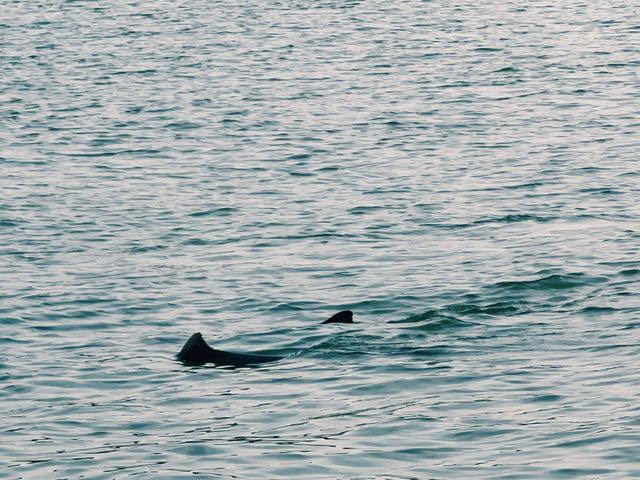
pixel 462 176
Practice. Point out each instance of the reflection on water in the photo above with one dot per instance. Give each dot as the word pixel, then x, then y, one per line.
pixel 463 177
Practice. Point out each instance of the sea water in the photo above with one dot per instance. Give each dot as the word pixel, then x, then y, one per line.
pixel 463 176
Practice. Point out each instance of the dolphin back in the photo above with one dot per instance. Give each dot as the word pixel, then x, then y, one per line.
pixel 197 352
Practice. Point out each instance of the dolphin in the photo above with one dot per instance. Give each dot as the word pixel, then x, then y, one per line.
pixel 197 352
pixel 345 316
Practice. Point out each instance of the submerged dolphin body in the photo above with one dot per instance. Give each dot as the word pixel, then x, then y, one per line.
pixel 197 352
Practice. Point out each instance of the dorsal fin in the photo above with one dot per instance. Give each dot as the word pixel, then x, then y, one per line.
pixel 346 316
pixel 195 351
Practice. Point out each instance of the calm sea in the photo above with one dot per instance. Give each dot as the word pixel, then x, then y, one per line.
pixel 464 176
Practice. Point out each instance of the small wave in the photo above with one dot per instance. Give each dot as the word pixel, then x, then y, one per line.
pixel 218 212
pixel 449 316
pixel 146 248
pixel 434 321
pixel 487 49
pixel 495 309
pixel 300 156
pixel 9 223
pixel 440 324
pixel 428 315
pixel 65 327
pixel 598 310
pixel 183 125
pixel 514 218
pixel 552 282
pixel 346 344
pixel 631 271
pixel 431 351
pixel 196 241
pixel 498 219
pixel 507 70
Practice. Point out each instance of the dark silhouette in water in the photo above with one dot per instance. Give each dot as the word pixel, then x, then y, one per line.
pixel 197 352
pixel 345 316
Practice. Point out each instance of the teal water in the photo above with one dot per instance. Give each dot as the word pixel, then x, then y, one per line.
pixel 463 176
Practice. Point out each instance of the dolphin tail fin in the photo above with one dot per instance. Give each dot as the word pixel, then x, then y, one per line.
pixel 346 316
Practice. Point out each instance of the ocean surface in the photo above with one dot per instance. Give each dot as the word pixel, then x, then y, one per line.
pixel 463 176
